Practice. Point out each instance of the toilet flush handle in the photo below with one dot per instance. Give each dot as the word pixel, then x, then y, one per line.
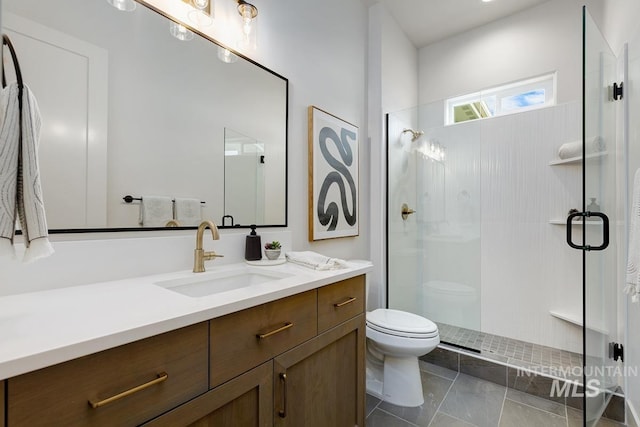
pixel 406 211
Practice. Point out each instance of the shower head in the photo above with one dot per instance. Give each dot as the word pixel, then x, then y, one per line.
pixel 415 134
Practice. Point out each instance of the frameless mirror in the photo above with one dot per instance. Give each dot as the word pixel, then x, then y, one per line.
pixel 129 110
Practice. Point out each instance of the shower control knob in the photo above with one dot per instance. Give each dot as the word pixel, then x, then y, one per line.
pixel 406 211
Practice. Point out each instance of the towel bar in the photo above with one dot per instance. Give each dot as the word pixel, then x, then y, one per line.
pixel 129 199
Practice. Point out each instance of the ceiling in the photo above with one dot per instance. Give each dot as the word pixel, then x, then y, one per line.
pixel 427 21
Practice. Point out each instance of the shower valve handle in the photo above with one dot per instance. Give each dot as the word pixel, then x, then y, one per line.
pixel 406 211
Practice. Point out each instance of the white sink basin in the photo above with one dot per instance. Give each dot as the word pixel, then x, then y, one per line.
pixel 214 282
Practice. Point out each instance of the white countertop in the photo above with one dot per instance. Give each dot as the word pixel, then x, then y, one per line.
pixel 41 329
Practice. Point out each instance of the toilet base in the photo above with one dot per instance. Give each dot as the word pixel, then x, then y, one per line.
pixel 402 381
pixel 396 380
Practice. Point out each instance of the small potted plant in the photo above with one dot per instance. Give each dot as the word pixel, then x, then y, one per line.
pixel 272 250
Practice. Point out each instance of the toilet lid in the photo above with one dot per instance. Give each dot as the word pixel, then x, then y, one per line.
pixel 401 323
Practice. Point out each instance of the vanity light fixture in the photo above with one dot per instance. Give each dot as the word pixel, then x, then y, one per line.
pixel 180 32
pixel 248 12
pixel 123 5
pixel 226 56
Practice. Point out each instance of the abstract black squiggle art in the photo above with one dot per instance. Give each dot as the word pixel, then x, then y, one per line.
pixel 331 214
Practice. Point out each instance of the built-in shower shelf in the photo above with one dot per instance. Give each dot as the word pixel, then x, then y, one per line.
pixel 564 222
pixel 577 320
pixel 575 160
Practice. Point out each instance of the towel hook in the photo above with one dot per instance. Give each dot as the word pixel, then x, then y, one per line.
pixel 16 65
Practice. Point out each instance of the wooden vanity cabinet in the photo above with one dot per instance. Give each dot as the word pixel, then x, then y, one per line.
pixel 162 372
pixel 297 361
pixel 318 362
pixel 2 403
pixel 245 401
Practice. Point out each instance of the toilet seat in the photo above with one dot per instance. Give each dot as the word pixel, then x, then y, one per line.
pixel 401 324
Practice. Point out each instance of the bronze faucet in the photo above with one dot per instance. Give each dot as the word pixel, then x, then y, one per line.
pixel 199 255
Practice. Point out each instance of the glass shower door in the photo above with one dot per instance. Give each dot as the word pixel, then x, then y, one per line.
pixel 433 225
pixel 597 217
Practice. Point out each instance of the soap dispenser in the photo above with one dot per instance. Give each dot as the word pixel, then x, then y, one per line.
pixel 253 246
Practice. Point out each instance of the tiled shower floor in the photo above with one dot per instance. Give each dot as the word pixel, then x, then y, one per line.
pixel 514 352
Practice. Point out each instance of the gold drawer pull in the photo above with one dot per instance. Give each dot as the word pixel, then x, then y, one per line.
pixel 349 301
pixel 275 331
pixel 161 377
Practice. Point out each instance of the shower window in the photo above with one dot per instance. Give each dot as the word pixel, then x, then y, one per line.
pixel 511 98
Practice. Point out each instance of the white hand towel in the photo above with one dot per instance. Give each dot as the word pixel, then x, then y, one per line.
pixel 188 211
pixel 20 189
pixel 574 149
pixel 315 260
pixel 155 211
pixel 633 260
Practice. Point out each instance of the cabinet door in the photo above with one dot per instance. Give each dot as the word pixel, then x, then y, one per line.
pixel 321 382
pixel 245 401
pixel 2 403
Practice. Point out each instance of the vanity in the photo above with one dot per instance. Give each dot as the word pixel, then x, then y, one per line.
pixel 288 351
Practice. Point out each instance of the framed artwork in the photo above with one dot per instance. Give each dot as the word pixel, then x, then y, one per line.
pixel 333 176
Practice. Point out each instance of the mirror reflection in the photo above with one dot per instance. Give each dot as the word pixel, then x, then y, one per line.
pixel 130 110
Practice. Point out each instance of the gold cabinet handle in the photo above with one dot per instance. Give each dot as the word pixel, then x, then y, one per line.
pixel 161 377
pixel 283 411
pixel 343 303
pixel 275 331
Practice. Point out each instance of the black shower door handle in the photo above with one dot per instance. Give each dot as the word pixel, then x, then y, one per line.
pixel 584 216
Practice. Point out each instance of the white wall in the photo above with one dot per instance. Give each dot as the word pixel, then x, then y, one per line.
pixel 540 40
pixel 393 86
pixel 321 47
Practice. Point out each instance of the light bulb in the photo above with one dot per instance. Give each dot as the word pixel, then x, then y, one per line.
pixel 201 4
pixel 246 28
pixel 248 12
pixel 200 15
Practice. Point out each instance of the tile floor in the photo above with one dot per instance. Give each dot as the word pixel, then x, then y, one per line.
pixel 453 399
pixel 509 350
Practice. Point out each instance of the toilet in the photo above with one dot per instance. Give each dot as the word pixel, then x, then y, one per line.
pixel 395 340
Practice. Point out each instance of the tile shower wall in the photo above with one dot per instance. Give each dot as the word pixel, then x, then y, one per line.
pixel 527 268
pixel 520 267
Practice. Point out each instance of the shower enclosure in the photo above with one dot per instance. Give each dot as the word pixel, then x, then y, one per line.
pixel 491 234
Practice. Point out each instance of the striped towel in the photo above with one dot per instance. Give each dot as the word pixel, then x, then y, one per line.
pixel 20 190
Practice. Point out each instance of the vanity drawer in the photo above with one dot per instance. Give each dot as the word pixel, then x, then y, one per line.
pixel 340 302
pixel 243 340
pixel 63 394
